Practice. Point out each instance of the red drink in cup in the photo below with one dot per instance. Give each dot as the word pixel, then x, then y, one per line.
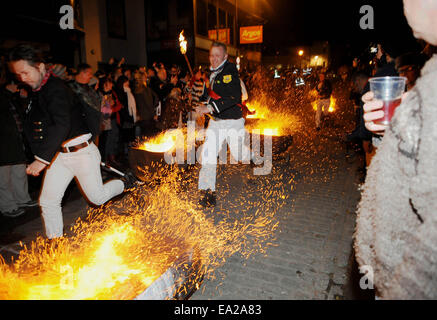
pixel 389 109
pixel 389 90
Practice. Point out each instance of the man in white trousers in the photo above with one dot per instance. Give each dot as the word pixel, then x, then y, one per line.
pixel 226 124
pixel 324 89
pixel 60 140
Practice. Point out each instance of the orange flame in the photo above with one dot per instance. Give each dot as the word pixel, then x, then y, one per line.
pixel 332 105
pixel 183 43
pixel 271 132
pixel 270 121
pixel 164 142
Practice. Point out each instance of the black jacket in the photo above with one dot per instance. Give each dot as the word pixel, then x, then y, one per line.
pixel 147 100
pixel 227 97
pixel 53 116
pixel 326 90
pixel 12 145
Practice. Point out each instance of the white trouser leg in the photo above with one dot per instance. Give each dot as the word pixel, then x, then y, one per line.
pixel 231 131
pixel 326 103
pixel 322 106
pixel 85 166
pixel 237 140
pixel 208 156
pixel 56 180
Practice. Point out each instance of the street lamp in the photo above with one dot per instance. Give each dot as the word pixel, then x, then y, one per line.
pixel 300 53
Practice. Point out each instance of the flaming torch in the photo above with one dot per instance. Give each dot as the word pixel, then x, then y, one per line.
pixel 183 45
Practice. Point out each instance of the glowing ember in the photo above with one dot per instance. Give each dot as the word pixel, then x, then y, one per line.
pixel 183 43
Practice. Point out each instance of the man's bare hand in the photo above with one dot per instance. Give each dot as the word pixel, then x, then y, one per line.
pixel 372 112
pixel 202 109
pixel 35 168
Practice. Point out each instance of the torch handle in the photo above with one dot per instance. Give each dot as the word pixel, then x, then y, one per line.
pixel 189 65
pixel 104 165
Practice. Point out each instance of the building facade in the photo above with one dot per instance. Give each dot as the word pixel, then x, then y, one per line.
pixel 202 21
pixel 141 31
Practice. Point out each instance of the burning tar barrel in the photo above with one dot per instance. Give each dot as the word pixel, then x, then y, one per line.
pixel 147 158
pixel 179 281
pixel 280 143
pixel 143 162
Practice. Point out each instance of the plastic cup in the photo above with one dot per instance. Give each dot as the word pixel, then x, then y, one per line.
pixel 389 90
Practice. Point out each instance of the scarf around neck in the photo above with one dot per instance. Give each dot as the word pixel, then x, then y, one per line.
pixel 46 77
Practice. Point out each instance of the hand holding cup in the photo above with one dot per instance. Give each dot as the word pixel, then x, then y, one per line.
pixel 380 103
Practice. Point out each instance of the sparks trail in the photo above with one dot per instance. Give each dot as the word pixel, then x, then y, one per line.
pixel 121 248
pixel 124 246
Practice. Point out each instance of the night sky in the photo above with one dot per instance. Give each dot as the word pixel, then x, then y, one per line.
pixel 295 22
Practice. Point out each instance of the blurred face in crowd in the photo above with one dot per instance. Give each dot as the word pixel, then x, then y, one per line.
pixel 140 78
pixel 343 74
pixel 126 85
pixel 162 74
pixel 150 73
pixel 173 71
pixel 411 73
pixel 12 87
pixel 85 76
pixel 128 74
pixel 108 85
pixel 379 53
pixel 31 75
pixel 217 56
pixel 422 18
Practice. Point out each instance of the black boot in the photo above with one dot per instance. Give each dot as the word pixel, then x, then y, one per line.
pixel 208 198
pixel 129 180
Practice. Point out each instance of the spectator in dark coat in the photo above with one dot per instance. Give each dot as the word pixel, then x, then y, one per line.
pixel 173 110
pixel 14 195
pixel 147 101
pixel 128 113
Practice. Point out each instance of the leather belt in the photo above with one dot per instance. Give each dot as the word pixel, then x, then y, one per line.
pixel 76 147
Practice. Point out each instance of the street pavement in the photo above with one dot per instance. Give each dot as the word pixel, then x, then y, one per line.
pixel 310 255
